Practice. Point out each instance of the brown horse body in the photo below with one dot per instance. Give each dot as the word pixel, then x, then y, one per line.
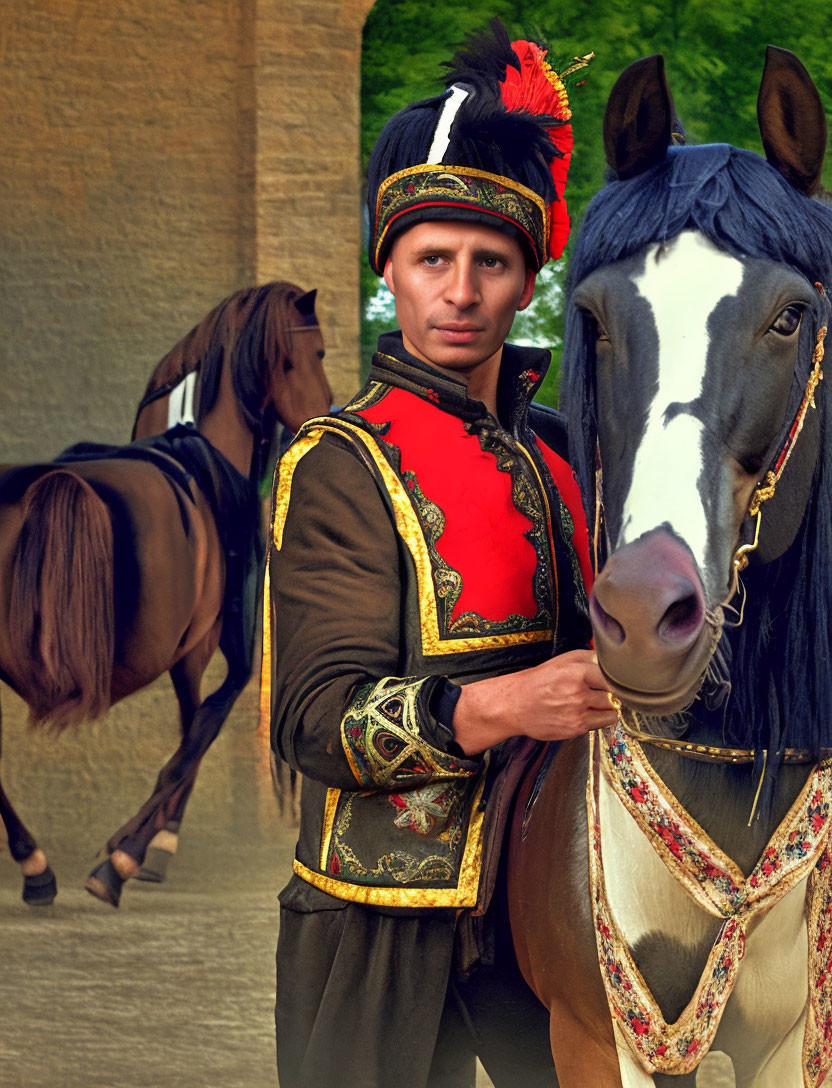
pixel 118 565
pixel 552 926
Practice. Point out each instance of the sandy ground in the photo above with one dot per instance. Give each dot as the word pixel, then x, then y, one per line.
pixel 175 989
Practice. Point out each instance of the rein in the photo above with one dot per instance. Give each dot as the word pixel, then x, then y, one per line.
pixel 711 753
pixel 765 490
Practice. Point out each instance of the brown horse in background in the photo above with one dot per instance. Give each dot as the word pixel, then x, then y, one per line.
pixel 120 563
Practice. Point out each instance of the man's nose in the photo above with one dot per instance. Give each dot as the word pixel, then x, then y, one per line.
pixel 462 287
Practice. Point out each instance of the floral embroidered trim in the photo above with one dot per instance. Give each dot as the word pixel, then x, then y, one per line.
pixel 797 847
pixel 381 737
pixel 435 811
pixel 532 504
pixel 817 1038
pixel 709 875
pixel 380 884
pixel 448 581
pixel 568 523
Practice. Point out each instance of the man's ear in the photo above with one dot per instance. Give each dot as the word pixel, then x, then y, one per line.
pixel 528 288
pixel 388 275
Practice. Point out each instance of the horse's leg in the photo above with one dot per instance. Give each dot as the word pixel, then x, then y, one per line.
pixel 39 885
pixel 127 847
pixel 186 675
pixel 552 922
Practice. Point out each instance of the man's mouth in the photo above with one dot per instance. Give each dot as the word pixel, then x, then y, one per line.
pixel 454 333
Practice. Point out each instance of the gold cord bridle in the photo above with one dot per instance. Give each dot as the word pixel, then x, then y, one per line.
pixel 765 491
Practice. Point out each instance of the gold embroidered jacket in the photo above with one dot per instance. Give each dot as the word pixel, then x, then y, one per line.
pixel 417 544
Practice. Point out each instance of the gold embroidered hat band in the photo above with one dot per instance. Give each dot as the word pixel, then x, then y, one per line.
pixel 456 189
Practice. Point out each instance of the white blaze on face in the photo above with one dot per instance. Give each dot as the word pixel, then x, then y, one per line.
pixel 682 287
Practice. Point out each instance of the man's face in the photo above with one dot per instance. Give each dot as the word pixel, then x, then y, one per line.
pixel 457 287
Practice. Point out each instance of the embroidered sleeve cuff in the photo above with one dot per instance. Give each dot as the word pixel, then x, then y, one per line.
pixel 383 733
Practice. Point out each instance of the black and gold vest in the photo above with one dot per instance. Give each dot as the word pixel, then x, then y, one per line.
pixel 494 560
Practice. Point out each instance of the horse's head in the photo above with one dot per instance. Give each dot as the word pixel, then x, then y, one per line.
pixel 278 358
pixel 261 348
pixel 694 313
pixel 299 388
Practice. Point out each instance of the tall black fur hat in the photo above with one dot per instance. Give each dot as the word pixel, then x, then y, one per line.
pixel 494 148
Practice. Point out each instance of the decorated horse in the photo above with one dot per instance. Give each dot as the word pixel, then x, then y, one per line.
pixel 670 879
pixel 120 563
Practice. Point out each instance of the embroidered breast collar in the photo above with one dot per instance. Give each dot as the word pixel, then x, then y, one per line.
pixel 798 848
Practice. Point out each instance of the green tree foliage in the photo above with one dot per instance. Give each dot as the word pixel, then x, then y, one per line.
pixel 714 53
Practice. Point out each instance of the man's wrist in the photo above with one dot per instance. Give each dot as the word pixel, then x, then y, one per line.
pixel 480 719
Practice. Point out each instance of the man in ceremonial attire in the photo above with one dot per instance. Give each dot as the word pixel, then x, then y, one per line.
pixel 427 568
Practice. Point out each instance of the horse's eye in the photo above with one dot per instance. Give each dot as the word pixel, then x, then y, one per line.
pixel 787 322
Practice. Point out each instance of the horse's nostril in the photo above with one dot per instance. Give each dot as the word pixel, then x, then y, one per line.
pixel 607 623
pixel 681 619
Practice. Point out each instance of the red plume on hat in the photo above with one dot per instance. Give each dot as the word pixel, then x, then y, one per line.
pixel 535 87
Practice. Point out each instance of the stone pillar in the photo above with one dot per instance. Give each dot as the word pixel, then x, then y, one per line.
pixel 308 65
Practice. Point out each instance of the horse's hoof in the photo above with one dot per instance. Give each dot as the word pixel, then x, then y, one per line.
pixel 155 865
pixel 40 890
pixel 105 883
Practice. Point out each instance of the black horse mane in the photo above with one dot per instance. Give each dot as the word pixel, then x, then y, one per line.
pixel 780 657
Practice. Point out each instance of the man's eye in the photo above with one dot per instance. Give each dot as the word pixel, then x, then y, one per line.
pixel 492 262
pixel 788 322
pixel 432 260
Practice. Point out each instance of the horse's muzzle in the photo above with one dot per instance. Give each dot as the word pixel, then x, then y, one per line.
pixel 653 636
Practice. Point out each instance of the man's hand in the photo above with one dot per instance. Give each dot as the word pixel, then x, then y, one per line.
pixel 564 697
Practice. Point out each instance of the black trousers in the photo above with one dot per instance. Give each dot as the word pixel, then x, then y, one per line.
pixel 372 1000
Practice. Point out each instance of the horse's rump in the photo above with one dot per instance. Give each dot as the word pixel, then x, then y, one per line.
pixel 183 455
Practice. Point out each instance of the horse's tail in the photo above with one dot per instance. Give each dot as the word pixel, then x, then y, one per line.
pixel 61 602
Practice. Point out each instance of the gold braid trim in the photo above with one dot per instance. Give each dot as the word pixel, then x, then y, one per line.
pixel 281 492
pixel 797 848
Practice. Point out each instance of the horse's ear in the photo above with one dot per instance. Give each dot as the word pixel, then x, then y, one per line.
pixel 305 305
pixel 638 124
pixel 791 120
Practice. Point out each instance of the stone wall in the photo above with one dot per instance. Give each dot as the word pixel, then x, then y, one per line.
pixel 156 158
